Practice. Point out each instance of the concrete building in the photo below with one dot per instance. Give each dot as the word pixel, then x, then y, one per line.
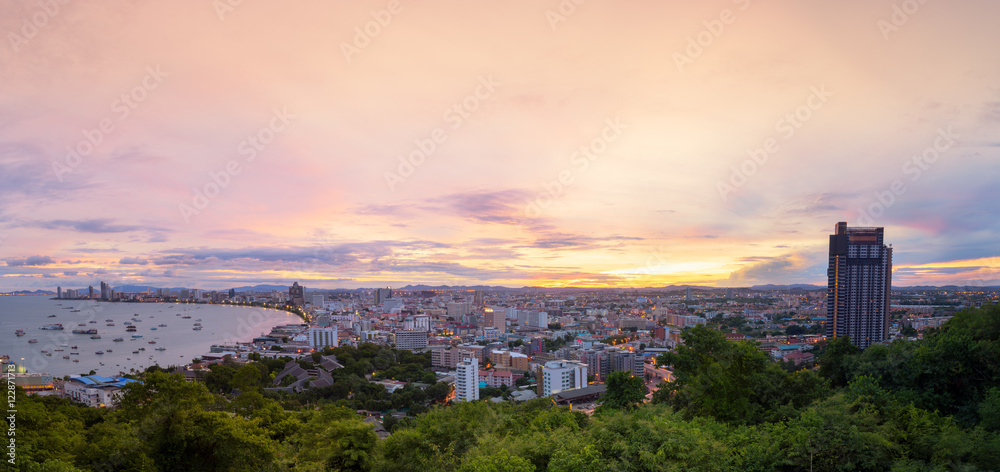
pixel 411 340
pixel 467 380
pixel 297 294
pixel 859 284
pixel 561 375
pixel 322 337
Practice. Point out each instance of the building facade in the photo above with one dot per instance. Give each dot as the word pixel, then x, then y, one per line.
pixel 322 337
pixel 859 284
pixel 410 339
pixel 561 375
pixel 467 380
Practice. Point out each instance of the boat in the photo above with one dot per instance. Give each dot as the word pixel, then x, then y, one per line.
pixel 52 327
pixel 118 340
pixel 52 316
pixel 135 352
pixel 74 353
pixel 186 317
pixel 142 349
pixel 161 348
pixel 136 336
pixel 32 341
pixel 74 311
pixel 96 336
pixel 197 324
pixel 73 347
pixel 197 328
pixel 130 328
pixel 199 319
pixel 162 325
pixel 109 350
pixel 85 331
pixel 76 360
pixel 109 321
pixel 99 352
pixel 44 351
pixel 152 342
pixel 19 332
pixel 109 324
pixel 153 328
pixel 65 357
pixel 92 321
pixel 82 324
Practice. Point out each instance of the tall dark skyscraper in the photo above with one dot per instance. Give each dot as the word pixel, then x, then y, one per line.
pixel 859 284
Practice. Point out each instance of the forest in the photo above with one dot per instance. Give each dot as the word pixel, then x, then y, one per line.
pixel 926 405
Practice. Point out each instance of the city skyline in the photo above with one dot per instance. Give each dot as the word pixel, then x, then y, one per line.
pixel 394 143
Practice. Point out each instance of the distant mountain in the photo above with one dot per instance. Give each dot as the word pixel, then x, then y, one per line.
pixel 142 288
pixel 453 287
pixel 264 288
pixel 918 288
pixel 788 287
pixel 36 292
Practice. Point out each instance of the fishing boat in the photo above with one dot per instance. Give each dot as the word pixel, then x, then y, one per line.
pixel 74 311
pixel 109 324
pixel 72 347
pixel 118 340
pixel 92 321
pixel 162 325
pixel 135 352
pixel 96 336
pixel 99 352
pixel 153 328
pixel 161 348
pixel 199 319
pixel 52 316
pixel 74 353
pixel 85 331
pixel 65 357
pixel 130 328
pixel 32 341
pixel 82 324
pixel 109 350
pixel 109 321
pixel 52 327
pixel 197 328
pixel 76 360
pixel 152 342
pixel 136 336
pixel 19 332
pixel 186 317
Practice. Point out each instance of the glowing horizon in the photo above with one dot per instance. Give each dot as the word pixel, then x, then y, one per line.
pixel 529 143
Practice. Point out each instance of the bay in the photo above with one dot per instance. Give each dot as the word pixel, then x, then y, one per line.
pixel 221 325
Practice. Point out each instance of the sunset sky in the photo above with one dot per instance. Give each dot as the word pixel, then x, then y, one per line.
pixel 360 144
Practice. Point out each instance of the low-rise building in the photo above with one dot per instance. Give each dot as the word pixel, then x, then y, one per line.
pixel 94 390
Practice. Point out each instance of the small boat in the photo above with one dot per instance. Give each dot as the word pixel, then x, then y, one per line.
pixel 32 341
pixel 73 347
pixel 52 316
pixel 74 353
pixel 109 324
pixel 161 348
pixel 109 350
pixel 85 331
pixel 136 336
pixel 199 319
pixel 153 328
pixel 118 340
pixel 197 328
pixel 82 324
pixel 92 321
pixel 74 311
pixel 142 349
pixel 96 336
pixel 65 357
pixel 99 352
pixel 76 360
pixel 162 325
pixel 44 351
pixel 110 321
pixel 52 327
pixel 19 332
pixel 135 352
pixel 186 317
pixel 152 342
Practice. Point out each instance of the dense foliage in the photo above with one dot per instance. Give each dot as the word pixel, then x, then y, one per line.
pixel 928 405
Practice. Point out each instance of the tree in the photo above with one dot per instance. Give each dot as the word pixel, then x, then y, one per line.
pixel 624 392
pixel 834 358
pixel 352 446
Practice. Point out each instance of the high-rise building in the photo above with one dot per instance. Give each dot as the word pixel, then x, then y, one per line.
pixel 410 340
pixel 58 292
pixel 561 375
pixel 381 294
pixel 322 337
pixel 495 317
pixel 232 293
pixel 297 294
pixel 467 380
pixel 859 283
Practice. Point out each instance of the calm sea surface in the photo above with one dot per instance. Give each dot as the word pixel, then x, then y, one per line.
pixel 181 343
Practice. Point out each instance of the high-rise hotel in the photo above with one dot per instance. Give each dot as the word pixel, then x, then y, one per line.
pixel 859 284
